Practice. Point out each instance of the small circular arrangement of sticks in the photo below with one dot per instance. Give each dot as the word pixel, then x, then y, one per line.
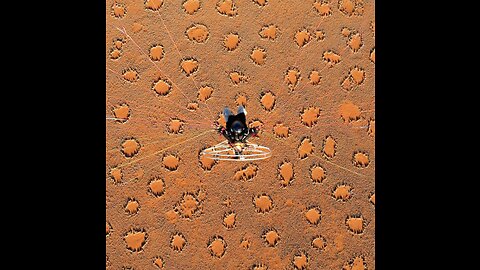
pixel 237 152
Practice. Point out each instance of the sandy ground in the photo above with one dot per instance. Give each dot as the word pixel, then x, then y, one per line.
pixel 304 69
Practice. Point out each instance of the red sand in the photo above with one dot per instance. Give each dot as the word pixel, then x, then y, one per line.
pixel 305 72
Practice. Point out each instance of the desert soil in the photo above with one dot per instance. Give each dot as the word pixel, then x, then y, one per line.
pixel 304 70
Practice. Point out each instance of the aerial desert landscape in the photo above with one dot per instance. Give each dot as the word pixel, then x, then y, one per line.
pixel 305 72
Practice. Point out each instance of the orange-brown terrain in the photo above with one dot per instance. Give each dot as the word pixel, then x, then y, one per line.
pixel 304 70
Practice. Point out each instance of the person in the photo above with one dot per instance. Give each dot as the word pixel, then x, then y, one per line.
pixel 236 129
